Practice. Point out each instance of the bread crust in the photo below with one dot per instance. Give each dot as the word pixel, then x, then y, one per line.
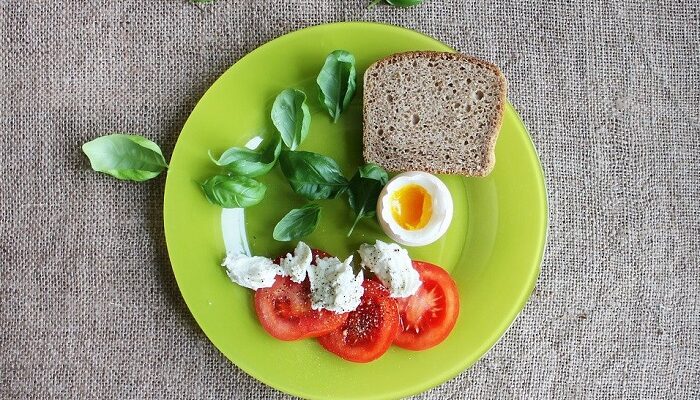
pixel 496 120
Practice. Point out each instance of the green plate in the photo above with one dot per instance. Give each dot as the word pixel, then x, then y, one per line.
pixel 493 248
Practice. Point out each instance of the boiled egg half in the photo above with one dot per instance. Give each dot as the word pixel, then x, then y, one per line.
pixel 415 208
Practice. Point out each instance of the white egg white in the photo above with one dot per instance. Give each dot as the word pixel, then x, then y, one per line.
pixel 442 209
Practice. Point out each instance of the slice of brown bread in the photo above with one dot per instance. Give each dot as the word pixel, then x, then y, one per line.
pixel 434 112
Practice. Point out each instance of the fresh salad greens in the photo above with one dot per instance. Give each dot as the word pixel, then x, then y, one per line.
pixel 252 163
pixel 336 83
pixel 290 115
pixel 312 175
pixel 126 157
pixel 363 191
pixel 233 191
pixel 299 222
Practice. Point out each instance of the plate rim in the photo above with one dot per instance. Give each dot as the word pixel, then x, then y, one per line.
pixel 519 306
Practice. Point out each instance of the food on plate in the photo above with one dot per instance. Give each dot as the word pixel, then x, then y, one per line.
pixel 297 223
pixel 427 317
pixel 290 115
pixel 309 293
pixel 363 192
pixel 249 162
pixel 437 112
pixel 285 311
pixel 337 83
pixel 434 112
pixel 318 177
pixel 334 286
pixel 415 208
pixel 368 332
pixel 251 272
pixel 295 265
pixel 233 191
pixel 392 266
pixel 312 175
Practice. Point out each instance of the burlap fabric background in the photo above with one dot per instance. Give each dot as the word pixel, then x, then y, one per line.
pixel 88 304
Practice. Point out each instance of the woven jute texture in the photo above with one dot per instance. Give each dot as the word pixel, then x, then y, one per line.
pixel 609 91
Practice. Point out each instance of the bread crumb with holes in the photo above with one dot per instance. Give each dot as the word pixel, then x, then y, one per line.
pixel 434 112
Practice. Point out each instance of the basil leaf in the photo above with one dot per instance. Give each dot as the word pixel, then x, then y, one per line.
pixel 373 171
pixel 363 191
pixel 252 163
pixel 233 191
pixel 298 223
pixel 291 117
pixel 126 157
pixel 312 175
pixel 336 82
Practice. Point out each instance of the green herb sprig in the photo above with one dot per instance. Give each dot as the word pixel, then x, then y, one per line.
pixel 252 163
pixel 233 191
pixel 312 175
pixel 363 192
pixel 337 83
pixel 290 115
pixel 297 223
pixel 316 176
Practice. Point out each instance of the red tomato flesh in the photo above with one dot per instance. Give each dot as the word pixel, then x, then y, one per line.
pixel 428 316
pixel 368 331
pixel 284 310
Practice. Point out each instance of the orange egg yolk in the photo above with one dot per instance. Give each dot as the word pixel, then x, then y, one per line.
pixel 411 207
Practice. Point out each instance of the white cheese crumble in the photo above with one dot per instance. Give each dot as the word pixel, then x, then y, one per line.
pixel 295 266
pixel 392 265
pixel 334 285
pixel 251 272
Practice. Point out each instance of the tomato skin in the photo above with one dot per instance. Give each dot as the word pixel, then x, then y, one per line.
pixel 368 331
pixel 428 316
pixel 285 312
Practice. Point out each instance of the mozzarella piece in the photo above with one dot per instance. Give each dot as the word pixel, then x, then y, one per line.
pixel 295 266
pixel 334 286
pixel 251 272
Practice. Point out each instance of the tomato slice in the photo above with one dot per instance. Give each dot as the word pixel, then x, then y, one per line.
pixel 284 309
pixel 428 316
pixel 368 331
